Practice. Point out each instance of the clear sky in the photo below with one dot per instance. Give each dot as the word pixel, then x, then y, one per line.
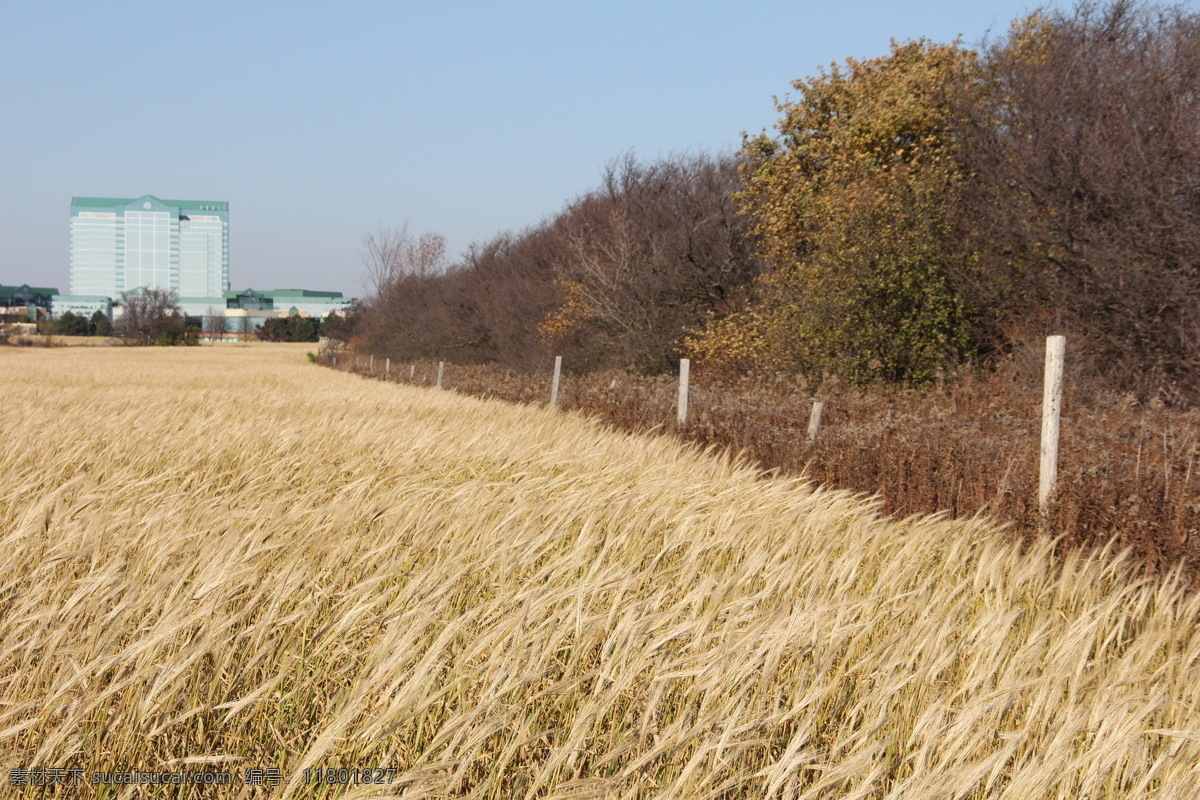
pixel 320 121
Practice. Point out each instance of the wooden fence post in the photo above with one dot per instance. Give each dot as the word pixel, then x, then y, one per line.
pixel 554 385
pixel 685 367
pixel 372 367
pixel 441 369
pixel 412 373
pixel 387 367
pixel 1056 348
pixel 814 420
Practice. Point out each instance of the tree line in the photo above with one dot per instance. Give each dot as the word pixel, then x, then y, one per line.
pixel 71 324
pixel 612 280
pixel 937 208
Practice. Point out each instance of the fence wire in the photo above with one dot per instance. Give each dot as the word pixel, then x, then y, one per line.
pixel 1141 445
pixel 714 404
pixel 705 395
pixel 657 405
pixel 1167 472
pixel 744 404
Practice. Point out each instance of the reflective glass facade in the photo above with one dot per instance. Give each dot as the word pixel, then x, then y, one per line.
pixel 118 245
pixel 95 268
pixel 202 256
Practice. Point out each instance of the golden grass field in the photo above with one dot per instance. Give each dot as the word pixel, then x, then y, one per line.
pixel 232 559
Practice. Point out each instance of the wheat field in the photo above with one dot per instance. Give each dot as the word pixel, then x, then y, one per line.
pixel 234 560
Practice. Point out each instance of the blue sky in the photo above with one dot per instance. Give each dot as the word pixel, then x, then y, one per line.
pixel 320 121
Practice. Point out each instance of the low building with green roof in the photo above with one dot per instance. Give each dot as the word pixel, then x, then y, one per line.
pixel 305 302
pixel 25 302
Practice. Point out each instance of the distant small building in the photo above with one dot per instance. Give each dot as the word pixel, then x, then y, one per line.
pixel 25 303
pixel 305 302
pixel 244 311
pixel 81 305
pixel 249 300
pixel 26 295
pixel 234 325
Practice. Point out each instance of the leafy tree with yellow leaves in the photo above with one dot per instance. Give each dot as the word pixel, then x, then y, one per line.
pixel 856 205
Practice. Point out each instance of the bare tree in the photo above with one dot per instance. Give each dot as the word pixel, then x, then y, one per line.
pixel 218 323
pixel 392 254
pixel 149 315
pixel 650 253
pixel 242 327
pixel 404 272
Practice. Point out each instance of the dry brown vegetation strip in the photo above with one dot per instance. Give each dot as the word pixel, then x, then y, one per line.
pixel 1128 471
pixel 233 557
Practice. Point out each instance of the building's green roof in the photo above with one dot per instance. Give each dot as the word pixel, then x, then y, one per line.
pixel 10 290
pixel 199 205
pixel 300 293
pixel 187 205
pixel 99 202
pixel 287 293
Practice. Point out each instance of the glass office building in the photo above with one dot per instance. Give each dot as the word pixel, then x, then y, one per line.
pixel 118 245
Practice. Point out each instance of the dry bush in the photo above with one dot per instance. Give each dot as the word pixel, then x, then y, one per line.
pixel 1082 204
